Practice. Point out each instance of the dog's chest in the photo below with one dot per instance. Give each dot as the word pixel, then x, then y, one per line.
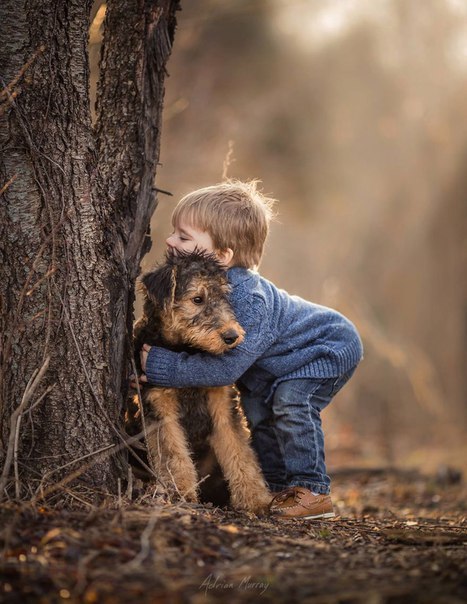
pixel 194 415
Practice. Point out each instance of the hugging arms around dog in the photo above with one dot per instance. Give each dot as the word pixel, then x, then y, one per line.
pixel 294 358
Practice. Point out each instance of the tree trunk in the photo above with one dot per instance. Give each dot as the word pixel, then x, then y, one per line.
pixel 73 225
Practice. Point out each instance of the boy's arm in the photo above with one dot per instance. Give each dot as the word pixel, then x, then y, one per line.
pixel 181 370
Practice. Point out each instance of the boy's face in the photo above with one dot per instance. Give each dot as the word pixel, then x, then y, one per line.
pixel 185 238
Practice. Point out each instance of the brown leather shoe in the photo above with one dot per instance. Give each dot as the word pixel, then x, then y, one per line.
pixel 298 502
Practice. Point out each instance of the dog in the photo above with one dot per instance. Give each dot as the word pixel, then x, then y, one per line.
pixel 186 308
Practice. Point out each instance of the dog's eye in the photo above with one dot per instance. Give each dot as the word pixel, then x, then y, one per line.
pixel 197 300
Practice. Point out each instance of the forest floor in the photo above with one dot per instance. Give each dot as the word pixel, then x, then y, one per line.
pixel 400 537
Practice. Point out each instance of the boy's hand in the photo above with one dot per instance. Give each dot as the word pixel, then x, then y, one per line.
pixel 141 379
pixel 143 355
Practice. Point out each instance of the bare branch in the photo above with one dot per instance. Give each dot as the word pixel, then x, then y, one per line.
pixel 15 419
pixel 8 90
pixel 8 183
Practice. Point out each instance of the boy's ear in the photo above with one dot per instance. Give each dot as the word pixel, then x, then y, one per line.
pixel 225 256
pixel 160 285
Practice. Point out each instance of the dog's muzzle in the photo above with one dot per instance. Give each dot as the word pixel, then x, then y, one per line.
pixel 230 336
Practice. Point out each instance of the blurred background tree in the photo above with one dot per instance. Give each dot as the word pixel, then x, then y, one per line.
pixel 353 114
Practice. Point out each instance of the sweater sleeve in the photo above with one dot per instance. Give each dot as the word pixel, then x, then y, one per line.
pixel 183 370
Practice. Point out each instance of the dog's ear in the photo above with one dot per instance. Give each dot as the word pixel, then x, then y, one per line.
pixel 160 285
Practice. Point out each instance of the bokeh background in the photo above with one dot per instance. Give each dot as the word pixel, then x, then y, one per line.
pixel 353 114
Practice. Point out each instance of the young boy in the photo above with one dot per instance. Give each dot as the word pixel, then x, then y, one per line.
pixel 295 356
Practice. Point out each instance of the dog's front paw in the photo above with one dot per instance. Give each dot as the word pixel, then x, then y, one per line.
pixel 258 503
pixel 190 497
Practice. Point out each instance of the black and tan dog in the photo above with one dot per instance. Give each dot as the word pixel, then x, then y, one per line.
pixel 187 309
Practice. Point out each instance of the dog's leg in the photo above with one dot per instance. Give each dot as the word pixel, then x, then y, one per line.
pixel 230 442
pixel 167 445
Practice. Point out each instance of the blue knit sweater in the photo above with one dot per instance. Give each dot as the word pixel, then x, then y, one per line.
pixel 286 338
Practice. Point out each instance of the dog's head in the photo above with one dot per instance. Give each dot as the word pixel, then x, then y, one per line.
pixel 189 294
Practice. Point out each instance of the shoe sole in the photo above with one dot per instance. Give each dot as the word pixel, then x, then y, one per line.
pixel 313 517
pixel 318 516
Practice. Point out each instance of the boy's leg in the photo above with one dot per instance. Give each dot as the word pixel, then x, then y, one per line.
pixel 297 406
pixel 264 440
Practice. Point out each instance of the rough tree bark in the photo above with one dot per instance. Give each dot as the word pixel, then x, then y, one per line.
pixel 73 225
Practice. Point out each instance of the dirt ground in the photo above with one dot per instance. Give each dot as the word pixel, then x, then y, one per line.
pixel 399 537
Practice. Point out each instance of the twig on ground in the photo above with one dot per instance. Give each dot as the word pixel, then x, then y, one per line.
pixel 145 543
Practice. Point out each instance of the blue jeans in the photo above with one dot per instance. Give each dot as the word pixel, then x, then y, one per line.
pixel 286 432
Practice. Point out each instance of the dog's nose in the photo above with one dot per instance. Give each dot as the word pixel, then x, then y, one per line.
pixel 230 336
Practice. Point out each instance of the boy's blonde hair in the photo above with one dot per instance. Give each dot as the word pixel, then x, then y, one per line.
pixel 234 213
